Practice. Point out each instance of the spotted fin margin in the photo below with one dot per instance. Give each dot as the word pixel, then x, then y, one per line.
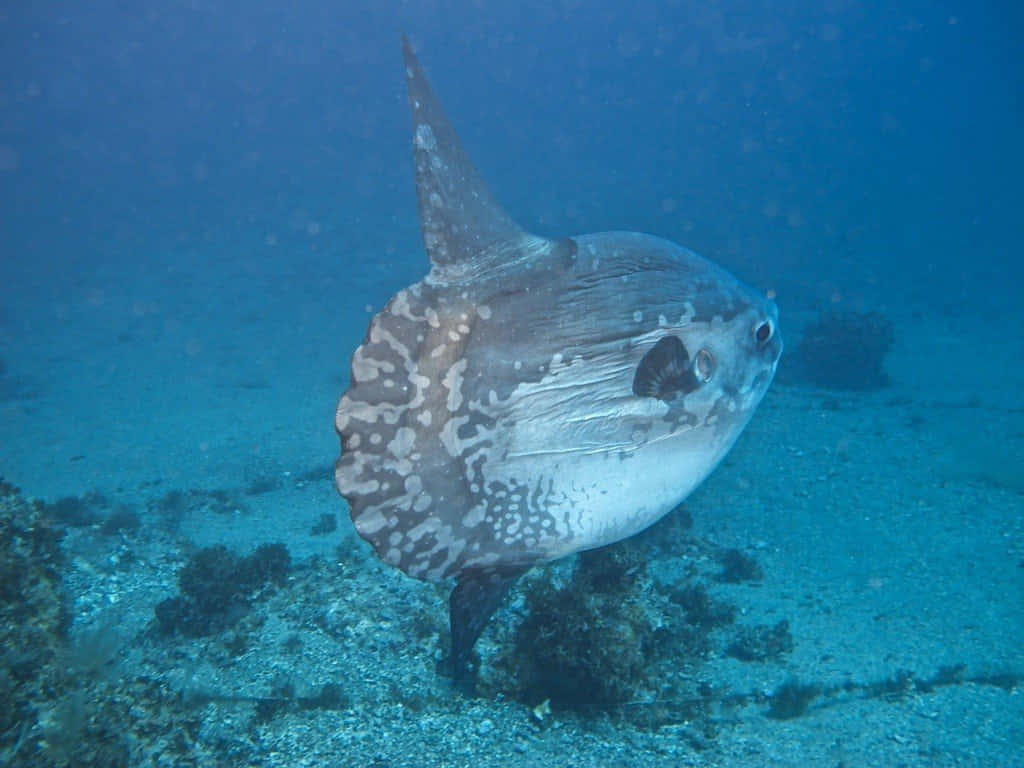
pixel 475 598
pixel 466 232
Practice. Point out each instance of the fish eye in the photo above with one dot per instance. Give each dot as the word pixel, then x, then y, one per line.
pixel 763 332
pixel 703 366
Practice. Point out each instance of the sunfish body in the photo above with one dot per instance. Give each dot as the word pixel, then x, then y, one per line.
pixel 532 398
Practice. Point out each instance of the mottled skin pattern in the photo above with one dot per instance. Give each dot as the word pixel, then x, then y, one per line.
pixel 492 421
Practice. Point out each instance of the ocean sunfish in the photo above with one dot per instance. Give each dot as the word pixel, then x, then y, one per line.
pixel 531 398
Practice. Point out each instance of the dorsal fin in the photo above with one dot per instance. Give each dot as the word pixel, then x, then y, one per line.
pixel 465 230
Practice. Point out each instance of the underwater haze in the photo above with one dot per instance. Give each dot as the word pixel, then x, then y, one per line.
pixel 203 207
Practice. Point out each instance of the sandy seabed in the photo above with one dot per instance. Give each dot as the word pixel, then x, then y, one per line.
pixel 888 526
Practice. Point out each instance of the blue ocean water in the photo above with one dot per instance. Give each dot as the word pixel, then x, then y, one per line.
pixel 203 204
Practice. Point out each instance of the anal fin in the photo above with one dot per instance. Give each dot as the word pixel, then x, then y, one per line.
pixel 476 596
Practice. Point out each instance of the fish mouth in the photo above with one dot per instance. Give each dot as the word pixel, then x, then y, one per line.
pixel 762 381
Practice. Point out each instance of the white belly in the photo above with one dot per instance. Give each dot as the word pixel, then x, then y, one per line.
pixel 615 498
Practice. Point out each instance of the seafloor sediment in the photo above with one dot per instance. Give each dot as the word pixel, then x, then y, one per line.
pixel 844 590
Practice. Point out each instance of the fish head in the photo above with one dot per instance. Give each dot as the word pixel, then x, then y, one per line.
pixel 626 375
pixel 716 341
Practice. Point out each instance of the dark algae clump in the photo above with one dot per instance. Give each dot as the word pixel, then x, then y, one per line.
pixel 585 646
pixel 33 615
pixel 701 610
pixel 216 587
pixel 326 523
pixel 609 637
pixel 123 519
pixel 791 699
pixel 52 714
pixel 738 567
pixel 75 511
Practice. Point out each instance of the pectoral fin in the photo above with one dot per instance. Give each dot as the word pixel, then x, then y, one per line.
pixel 665 371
